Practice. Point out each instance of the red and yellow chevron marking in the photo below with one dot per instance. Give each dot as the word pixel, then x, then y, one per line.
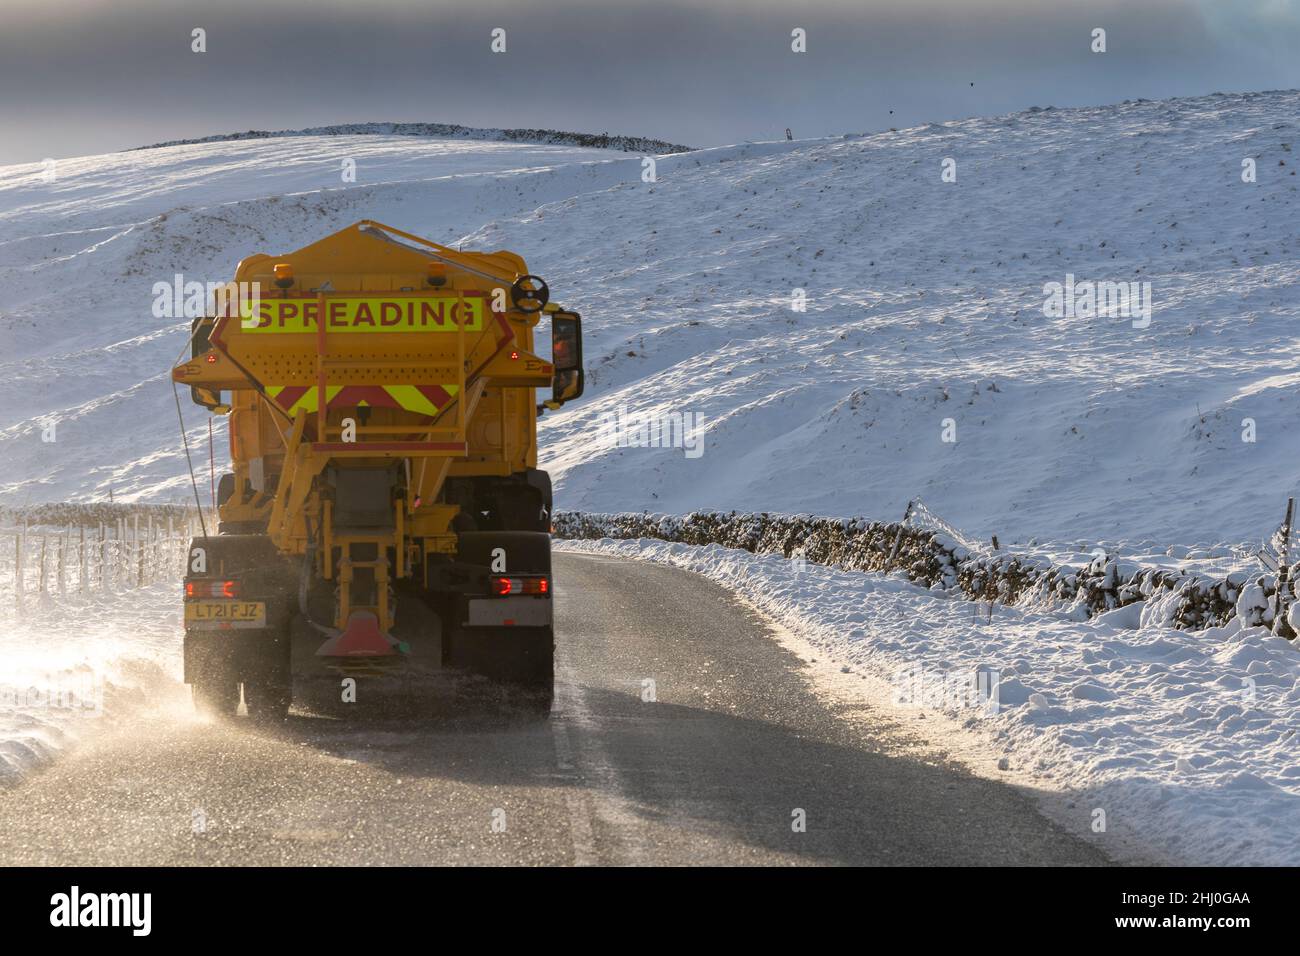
pixel 421 399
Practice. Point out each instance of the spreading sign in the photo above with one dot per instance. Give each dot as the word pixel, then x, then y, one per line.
pixel 369 314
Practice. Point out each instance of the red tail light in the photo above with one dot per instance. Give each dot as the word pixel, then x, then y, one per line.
pixel 197 590
pixel 535 586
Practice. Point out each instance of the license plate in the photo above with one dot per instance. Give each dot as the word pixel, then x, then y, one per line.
pixel 510 612
pixel 224 614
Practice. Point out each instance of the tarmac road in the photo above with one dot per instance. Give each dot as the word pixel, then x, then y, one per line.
pixel 711 772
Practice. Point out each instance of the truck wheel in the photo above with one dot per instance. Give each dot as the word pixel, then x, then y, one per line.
pixel 267 700
pixel 268 677
pixel 536 665
pixel 216 692
pixel 537 677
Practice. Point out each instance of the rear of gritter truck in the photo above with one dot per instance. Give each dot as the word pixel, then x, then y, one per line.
pixel 384 520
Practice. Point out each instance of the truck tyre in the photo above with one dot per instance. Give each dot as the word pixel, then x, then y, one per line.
pixel 535 678
pixel 536 675
pixel 268 675
pixel 530 666
pixel 215 691
pixel 267 700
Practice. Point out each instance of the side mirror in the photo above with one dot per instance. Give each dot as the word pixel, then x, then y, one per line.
pixel 566 355
pixel 201 330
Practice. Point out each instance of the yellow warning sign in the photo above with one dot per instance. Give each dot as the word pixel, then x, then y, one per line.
pixel 370 314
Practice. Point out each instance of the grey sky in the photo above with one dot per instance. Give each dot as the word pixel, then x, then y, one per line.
pixel 89 76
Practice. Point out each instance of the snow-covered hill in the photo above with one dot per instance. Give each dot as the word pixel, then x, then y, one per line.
pixel 79 345
pixel 925 303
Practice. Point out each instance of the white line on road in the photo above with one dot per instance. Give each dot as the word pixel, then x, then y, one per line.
pixel 597 795
pixel 567 697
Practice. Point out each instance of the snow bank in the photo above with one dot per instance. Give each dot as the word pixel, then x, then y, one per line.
pixel 1185 739
pixel 90 623
pixel 75 666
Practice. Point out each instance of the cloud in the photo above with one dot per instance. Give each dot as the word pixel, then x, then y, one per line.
pixel 1254 28
pixel 91 77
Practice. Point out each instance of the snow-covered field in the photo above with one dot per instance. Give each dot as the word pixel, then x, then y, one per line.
pixel 1185 741
pixel 924 320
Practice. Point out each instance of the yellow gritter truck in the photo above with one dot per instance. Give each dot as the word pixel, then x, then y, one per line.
pixel 385 513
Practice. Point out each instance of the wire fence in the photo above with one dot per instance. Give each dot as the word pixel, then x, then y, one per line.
pixel 919 516
pixel 1266 556
pixel 44 562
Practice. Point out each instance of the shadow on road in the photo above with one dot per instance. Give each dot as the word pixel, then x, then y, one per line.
pixel 697 776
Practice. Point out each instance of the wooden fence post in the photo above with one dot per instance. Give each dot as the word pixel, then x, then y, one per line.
pixel 63 571
pixel 898 538
pixel 1280 624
